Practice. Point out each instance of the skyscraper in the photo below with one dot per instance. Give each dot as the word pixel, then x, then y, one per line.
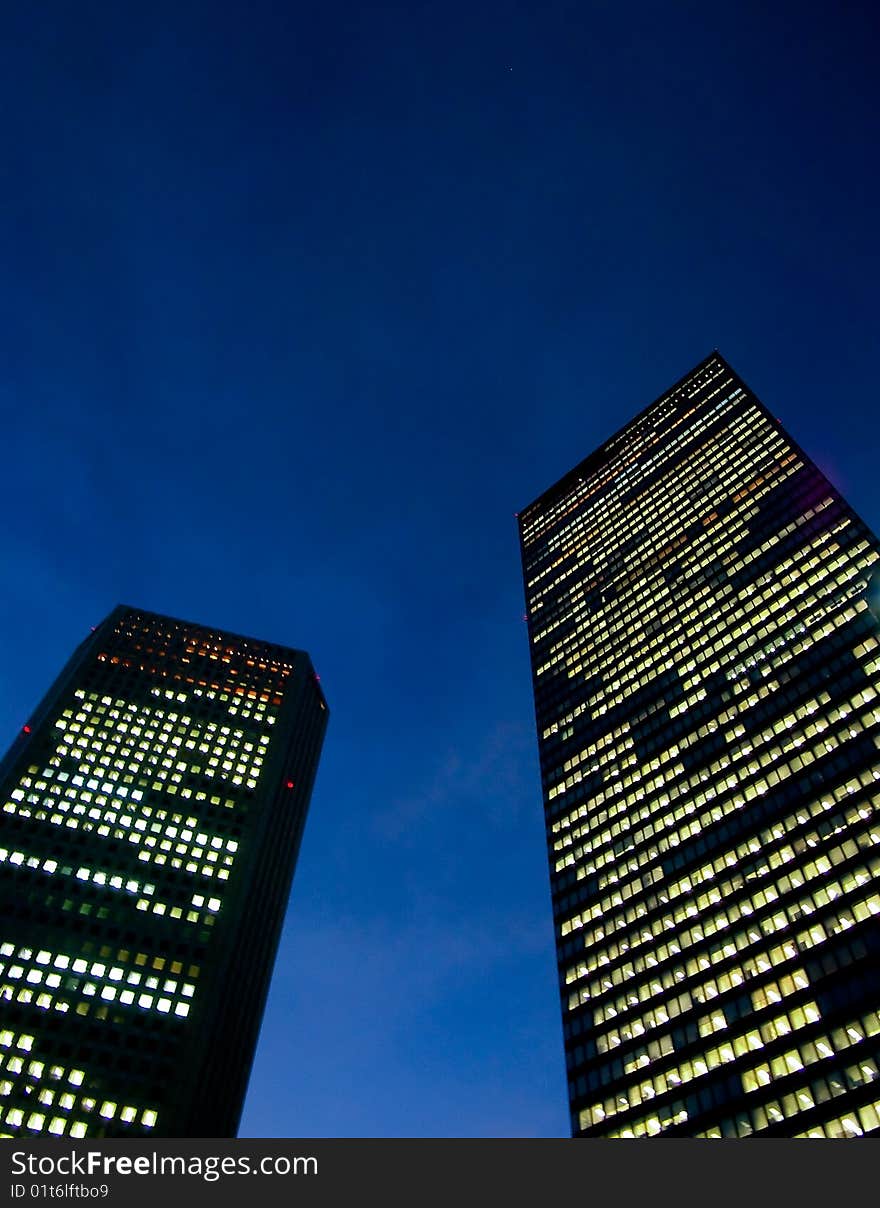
pixel 152 810
pixel 705 663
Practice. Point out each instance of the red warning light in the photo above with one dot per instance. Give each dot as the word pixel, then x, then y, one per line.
pixel 290 784
pixel 25 729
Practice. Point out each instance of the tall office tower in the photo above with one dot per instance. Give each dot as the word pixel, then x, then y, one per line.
pixel 705 664
pixel 152 809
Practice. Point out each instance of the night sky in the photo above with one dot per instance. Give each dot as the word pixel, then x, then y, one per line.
pixel 300 304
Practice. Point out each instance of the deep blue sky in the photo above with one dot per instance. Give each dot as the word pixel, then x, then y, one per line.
pixel 300 303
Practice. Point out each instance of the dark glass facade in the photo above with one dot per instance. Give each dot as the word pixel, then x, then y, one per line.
pixel 705 663
pixel 150 816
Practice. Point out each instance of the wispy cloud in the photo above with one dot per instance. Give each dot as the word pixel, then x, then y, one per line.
pixel 489 776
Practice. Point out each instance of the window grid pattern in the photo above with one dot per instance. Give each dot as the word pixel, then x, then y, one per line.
pixel 38 1098
pixel 135 803
pixel 705 666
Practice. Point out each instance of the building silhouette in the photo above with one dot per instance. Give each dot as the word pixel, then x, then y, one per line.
pixel 705 659
pixel 151 812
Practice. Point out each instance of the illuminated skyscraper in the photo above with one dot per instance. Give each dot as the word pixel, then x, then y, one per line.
pixel 152 810
pixel 705 662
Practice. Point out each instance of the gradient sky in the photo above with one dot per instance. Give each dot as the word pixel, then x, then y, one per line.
pixel 300 304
